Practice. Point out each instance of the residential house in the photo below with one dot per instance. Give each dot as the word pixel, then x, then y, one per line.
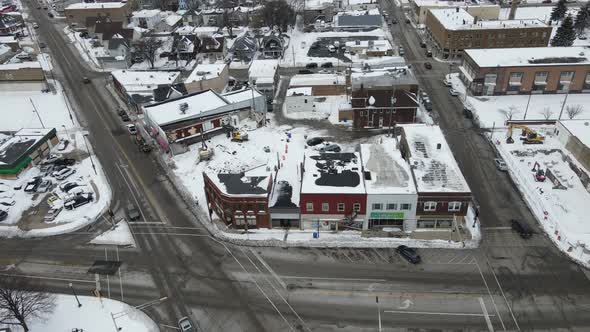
pixel 192 18
pixel 208 76
pixel 10 25
pixel 146 18
pixel 212 17
pixel 540 70
pixel 77 13
pixel 137 86
pixel 264 74
pixel 318 10
pixel 244 47
pixel 169 23
pixel 104 30
pixel 184 47
pixel 272 45
pixel 118 47
pixel 213 49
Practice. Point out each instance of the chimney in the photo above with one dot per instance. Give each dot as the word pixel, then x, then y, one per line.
pixel 513 8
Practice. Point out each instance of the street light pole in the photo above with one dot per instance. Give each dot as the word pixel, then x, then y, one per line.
pixel 563 105
pixel 37 112
pixel 90 154
pixel 378 311
pixel 75 295
pixel 527 104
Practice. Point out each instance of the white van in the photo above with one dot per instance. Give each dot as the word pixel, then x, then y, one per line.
pixel 63 173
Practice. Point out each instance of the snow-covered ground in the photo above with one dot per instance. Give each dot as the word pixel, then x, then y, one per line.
pixel 490 111
pixel 93 316
pixel 560 212
pixel 326 107
pixel 118 236
pixel 18 109
pixel 27 205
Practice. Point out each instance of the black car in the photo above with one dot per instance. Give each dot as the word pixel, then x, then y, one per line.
pixel 64 162
pixel 467 112
pixel 327 65
pixel 125 117
pixel 78 201
pixel 311 65
pixel 50 15
pixel 427 65
pixel 3 215
pixel 68 186
pixel 315 141
pixel 32 185
pixel 422 44
pixel 305 71
pixel 521 228
pixel 409 254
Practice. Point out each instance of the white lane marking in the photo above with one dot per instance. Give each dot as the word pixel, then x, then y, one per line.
pixel 346 255
pixel 131 191
pixel 44 278
pixel 326 278
pixel 174 234
pixel 485 313
pixel 502 291
pixel 272 272
pixel 381 256
pixel 490 293
pixel 433 313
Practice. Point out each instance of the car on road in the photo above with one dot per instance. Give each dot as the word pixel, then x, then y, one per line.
pixel 500 164
pixel 42 45
pixel 132 212
pixel 315 141
pixel 393 21
pixel 35 26
pixel 521 228
pixel 311 65
pixel 85 80
pixel 63 144
pixel 45 7
pixel 330 148
pixel 409 254
pixel 44 186
pixel 78 201
pixel 125 117
pixel 3 215
pixel 427 65
pixel 402 51
pixel 132 129
pixel 422 44
pixel 468 113
pixel 327 65
pixel 453 92
pixel 38 7
pixel 186 325
pixel 4 188
pixel 50 15
pixel 429 53
pixel 52 214
pixel 63 173
pixel 64 162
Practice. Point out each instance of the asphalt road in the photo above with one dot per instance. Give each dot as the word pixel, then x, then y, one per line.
pixel 509 284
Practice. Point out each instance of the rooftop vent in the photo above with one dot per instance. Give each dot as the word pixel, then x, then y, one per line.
pixel 438 146
pixel 183 107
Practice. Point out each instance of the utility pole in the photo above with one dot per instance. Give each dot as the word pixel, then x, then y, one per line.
pixel 378 311
pixel 527 104
pixel 89 154
pixel 39 116
pixel 563 105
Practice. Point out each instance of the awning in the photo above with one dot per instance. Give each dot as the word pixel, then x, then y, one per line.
pixel 515 83
pixel 540 83
pixel 16 168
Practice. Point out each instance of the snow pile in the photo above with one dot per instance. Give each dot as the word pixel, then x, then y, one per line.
pixel 119 236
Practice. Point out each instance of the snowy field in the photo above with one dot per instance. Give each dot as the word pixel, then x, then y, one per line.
pixel 25 218
pixel 560 211
pixel 490 111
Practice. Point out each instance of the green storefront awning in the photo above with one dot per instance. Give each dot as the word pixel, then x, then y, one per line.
pixel 386 215
pixel 16 168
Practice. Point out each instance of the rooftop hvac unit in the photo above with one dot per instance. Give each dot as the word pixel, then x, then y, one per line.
pixel 183 107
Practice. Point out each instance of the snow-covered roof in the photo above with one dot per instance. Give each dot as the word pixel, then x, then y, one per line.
pixel 302 91
pixel 251 183
pixel 459 19
pixel 199 31
pixel 172 19
pixel 332 173
pixel 432 160
pixel 387 76
pixel 238 96
pixel 317 79
pixel 579 128
pixel 317 4
pixel 96 5
pixel 171 111
pixel 389 172
pixel 205 72
pixel 144 80
pixel 8 39
pixel 534 56
pixel 14 147
pixel 21 65
pixel 263 68
pixel 146 13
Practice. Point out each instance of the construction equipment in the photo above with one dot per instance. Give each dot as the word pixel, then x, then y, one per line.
pixel 539 173
pixel 205 152
pixel 238 136
pixel 528 135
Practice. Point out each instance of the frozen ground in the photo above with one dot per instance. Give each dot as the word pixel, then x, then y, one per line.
pixel 560 211
pixel 118 236
pixel 491 111
pixel 19 109
pixel 25 218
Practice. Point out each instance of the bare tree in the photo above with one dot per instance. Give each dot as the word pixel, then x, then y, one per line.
pixel 510 112
pixel 228 15
pixel 22 300
pixel 278 13
pixel 546 113
pixel 147 47
pixel 573 110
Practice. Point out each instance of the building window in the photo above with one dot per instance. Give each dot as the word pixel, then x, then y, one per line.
pixel 356 207
pixel 341 207
pixel 429 206
pixel 391 206
pixel 490 79
pixel 587 81
pixel 377 206
pixel 454 206
pixel 305 100
pixel 406 206
pixel 325 207
pixel 309 207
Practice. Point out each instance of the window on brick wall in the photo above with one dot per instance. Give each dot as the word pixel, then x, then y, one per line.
pixel 429 206
pixel 325 207
pixel 356 207
pixel 454 206
pixel 309 207
pixel 341 207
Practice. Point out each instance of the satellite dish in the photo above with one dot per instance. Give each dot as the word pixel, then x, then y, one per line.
pixel 371 100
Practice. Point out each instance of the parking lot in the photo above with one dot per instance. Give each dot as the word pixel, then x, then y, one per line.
pixel 320 48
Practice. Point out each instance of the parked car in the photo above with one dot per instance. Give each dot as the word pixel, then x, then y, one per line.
pixel 315 141
pixel 311 65
pixel 52 214
pixel 7 201
pixel 125 117
pixel 46 169
pixel 501 164
pixel 63 144
pixel 402 51
pixel 4 188
pixel 409 254
pixel 3 215
pixel 393 21
pixel 63 173
pixel 429 53
pixel 132 129
pixel 468 113
pixel 453 92
pixel 67 186
pixel 304 71
pixel 427 65
pixel 521 228
pixel 327 65
pixel 35 26
pixel 330 148
pixel 38 7
pixel 64 162
pixel 51 159
pixel 185 325
pixel 44 186
pixel 422 44
pixel 447 82
pixel 6 195
pixel 85 80
pixel 78 201
pixel 408 21
pixel 132 212
pixel 32 185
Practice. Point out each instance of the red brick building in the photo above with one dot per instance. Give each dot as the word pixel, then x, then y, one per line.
pixel 239 199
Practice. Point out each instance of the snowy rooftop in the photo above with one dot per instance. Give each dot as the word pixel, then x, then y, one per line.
pixel 579 128
pixel 200 31
pixel 317 79
pixel 170 111
pixel 389 172
pixel 96 5
pixel 332 173
pixel 383 77
pixel 251 183
pixel 317 4
pixel 14 147
pixel 302 91
pixel 263 68
pixel 172 19
pixel 432 160
pixel 238 96
pixel 146 13
pixel 535 56
pixel 142 80
pixel 14 66
pixel 453 19
pixel 205 72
